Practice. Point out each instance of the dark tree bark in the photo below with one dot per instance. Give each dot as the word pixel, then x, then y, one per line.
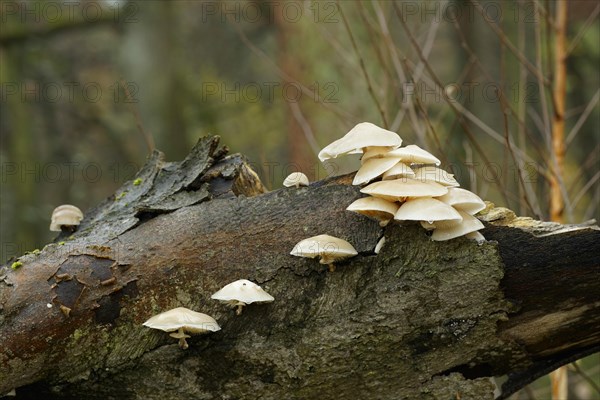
pixel 422 319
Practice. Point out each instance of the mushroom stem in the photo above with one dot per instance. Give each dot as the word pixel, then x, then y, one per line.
pixel 331 267
pixel 180 334
pixel 183 343
pixel 239 308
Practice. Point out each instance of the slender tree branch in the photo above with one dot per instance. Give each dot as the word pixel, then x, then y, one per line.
pixel 582 118
pixel 557 202
pixel 363 68
pixel 532 68
pixel 588 22
pixel 147 136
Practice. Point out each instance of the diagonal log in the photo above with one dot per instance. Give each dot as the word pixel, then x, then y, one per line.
pixel 421 319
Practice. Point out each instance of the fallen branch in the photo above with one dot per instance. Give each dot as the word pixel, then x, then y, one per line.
pixel 421 319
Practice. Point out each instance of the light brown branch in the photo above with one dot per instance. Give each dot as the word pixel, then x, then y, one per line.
pixel 558 121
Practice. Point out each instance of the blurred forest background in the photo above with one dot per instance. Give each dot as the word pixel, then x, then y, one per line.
pixel 89 87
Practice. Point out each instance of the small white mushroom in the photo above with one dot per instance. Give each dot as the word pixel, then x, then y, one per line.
pixel 242 292
pixel 181 320
pixel 66 216
pixel 358 138
pixel 374 207
pixel 329 248
pixel 463 200
pixel 468 224
pixel 400 170
pixel 400 189
pixel 426 209
pixel 379 245
pixel 413 154
pixel 373 168
pixel 435 174
pixel 295 179
pixel 476 236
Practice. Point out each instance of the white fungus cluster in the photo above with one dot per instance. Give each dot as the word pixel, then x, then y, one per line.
pixel 412 186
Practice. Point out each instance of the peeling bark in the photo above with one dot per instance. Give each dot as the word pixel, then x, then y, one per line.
pixel 421 319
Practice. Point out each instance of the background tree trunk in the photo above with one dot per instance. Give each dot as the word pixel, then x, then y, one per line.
pixel 422 319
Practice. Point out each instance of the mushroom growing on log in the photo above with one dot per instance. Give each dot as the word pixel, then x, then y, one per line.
pixel 421 319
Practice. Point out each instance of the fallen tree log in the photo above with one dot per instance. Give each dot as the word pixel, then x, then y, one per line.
pixel 421 319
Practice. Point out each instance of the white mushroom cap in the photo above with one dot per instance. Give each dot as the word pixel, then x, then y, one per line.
pixel 379 245
pixel 295 179
pixel 426 209
pixel 398 171
pixel 399 189
pixel 435 174
pixel 329 248
pixel 413 154
pixel 478 237
pixel 463 200
pixel 65 215
pixel 375 152
pixel 183 320
pixel 467 225
pixel 375 207
pixel 372 168
pixel 242 291
pixel 441 224
pixel 181 317
pixel 362 135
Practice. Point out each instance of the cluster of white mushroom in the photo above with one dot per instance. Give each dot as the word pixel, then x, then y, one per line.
pixel 182 321
pixel 412 186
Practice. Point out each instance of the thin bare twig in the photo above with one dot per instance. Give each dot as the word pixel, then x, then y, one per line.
pixel 522 105
pixel 521 121
pixel 148 139
pixel 393 52
pixel 520 171
pixel 340 113
pixel 418 71
pixel 428 122
pixel 583 117
pixel 590 163
pixel 589 380
pixel 558 121
pixel 584 189
pixel 593 206
pixel 451 104
pixel 363 68
pixel 375 37
pixel 304 125
pixel 541 87
pixel 583 30
pixel 535 71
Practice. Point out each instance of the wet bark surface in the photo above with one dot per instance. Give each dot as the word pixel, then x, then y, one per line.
pixel 421 319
